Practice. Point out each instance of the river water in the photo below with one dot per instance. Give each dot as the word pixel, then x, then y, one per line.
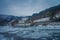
pixel 30 33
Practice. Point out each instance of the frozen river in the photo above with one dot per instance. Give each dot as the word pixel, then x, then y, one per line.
pixel 30 33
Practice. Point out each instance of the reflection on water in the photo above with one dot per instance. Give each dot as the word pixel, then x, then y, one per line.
pixel 40 34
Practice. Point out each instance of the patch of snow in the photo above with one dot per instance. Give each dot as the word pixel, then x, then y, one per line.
pixel 43 19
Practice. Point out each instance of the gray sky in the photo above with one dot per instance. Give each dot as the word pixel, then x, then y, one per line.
pixel 25 7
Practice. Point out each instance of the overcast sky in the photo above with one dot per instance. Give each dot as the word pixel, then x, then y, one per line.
pixel 25 7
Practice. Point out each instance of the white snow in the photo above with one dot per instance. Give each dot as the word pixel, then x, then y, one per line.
pixel 42 19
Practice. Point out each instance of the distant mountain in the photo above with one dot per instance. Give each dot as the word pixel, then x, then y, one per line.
pixel 50 12
pixel 4 19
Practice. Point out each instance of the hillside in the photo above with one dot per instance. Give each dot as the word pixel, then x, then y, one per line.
pixel 50 12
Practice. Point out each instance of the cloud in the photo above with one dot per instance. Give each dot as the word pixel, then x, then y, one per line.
pixel 25 7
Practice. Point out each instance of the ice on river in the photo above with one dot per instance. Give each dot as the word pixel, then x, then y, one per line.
pixel 30 32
